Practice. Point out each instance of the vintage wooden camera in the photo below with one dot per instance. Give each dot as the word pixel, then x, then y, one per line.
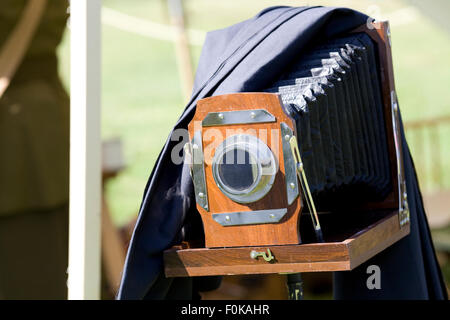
pixel 322 141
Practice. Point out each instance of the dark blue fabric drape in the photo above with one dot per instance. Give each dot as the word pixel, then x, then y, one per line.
pixel 243 57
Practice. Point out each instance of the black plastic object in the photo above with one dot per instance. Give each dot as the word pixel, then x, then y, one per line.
pixel 334 94
pixel 294 283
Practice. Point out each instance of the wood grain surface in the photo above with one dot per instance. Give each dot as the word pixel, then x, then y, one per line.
pixel 216 235
pixel 313 257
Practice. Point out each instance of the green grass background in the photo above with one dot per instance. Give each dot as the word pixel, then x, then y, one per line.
pixel 142 99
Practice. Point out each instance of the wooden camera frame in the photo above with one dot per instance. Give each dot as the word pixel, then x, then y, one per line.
pixel 247 248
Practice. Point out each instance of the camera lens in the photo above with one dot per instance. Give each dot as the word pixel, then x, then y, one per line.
pixel 244 168
pixel 238 169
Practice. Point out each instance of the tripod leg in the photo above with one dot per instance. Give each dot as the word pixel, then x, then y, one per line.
pixel 295 286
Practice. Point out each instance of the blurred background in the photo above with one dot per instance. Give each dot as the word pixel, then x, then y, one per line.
pixel 150 49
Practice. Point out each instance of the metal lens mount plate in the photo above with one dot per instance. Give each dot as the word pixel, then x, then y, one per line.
pixel 263 165
pixel 198 171
pixel 249 217
pixel 290 167
pixel 237 117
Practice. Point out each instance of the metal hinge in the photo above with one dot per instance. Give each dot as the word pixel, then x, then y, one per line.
pixel 403 208
pixel 194 158
pixel 388 34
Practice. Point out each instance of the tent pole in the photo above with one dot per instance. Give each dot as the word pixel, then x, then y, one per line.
pixel 85 151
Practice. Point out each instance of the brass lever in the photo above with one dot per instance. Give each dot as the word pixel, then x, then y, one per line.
pixel 267 257
pixel 304 184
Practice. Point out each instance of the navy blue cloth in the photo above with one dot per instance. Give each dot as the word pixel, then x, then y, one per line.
pixel 245 57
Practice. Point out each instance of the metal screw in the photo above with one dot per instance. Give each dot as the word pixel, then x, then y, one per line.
pixel 292 185
pixel 220 115
pixel 201 194
pixel 300 166
pixel 195 146
pixel 272 216
pixel 227 218
pixel 287 137
pixel 395 106
pixel 252 115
